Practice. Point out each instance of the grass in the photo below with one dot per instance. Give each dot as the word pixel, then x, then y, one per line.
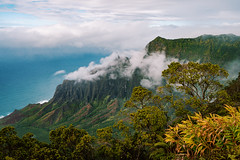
pixel 41 134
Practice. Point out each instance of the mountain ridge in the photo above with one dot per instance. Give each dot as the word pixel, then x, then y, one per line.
pixel 215 49
pixel 95 103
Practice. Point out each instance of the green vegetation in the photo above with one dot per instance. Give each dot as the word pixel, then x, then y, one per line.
pixel 91 105
pixel 203 126
pixel 233 89
pixel 207 48
pixel 198 84
pixel 189 117
pixel 87 105
pixel 212 137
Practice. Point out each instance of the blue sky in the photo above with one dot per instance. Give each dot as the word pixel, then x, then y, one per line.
pixel 111 25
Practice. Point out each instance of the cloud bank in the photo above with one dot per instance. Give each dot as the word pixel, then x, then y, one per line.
pixel 154 11
pixel 124 64
pixel 110 25
pixel 98 34
pixel 105 36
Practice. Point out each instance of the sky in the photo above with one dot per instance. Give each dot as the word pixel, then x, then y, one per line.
pixel 43 26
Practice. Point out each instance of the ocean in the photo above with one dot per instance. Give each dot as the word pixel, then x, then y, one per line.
pixel 31 80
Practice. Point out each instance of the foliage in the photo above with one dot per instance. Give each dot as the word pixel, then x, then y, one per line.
pixel 141 133
pixel 72 142
pixel 27 147
pixel 149 120
pixel 199 83
pixel 9 142
pixel 66 143
pixel 135 136
pixel 213 137
pixel 140 98
pixel 207 48
pixel 233 89
pixel 84 149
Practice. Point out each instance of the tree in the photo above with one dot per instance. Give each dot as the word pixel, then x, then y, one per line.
pixel 135 136
pixel 199 82
pixel 106 149
pixel 143 127
pixel 233 89
pixel 84 149
pixel 46 153
pixel 10 143
pixel 68 140
pixel 150 122
pixel 140 98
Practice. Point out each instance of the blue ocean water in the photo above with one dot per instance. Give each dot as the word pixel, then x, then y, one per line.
pixel 30 80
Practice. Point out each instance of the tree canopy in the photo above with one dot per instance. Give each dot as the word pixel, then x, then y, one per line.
pixel 200 84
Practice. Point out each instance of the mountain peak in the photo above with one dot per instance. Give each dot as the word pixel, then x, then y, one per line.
pixel 216 49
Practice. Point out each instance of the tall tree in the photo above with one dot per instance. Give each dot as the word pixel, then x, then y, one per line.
pixel 71 142
pixel 199 82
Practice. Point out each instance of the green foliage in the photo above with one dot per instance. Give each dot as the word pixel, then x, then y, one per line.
pixel 233 89
pixel 214 49
pixel 213 137
pixel 66 143
pixel 71 142
pixel 46 153
pixel 199 83
pixel 27 147
pixel 194 79
pixel 159 152
pixel 139 131
pixel 9 142
pixel 105 134
pixel 140 98
pixel 84 149
pixel 149 121
pixel 140 135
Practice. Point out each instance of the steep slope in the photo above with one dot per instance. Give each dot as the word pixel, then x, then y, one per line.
pixel 86 104
pixel 207 48
pixel 95 103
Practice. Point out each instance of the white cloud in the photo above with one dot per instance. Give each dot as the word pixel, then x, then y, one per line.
pixel 113 25
pixel 151 67
pixel 100 34
pixel 59 72
pixel 71 11
pixel 94 71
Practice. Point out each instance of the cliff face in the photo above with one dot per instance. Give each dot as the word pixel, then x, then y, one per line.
pixel 95 104
pixel 87 104
pixel 89 91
